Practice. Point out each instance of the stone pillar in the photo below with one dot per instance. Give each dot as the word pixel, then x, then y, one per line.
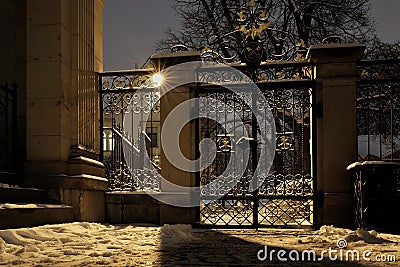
pixel 63 53
pixel 171 214
pixel 186 139
pixel 336 135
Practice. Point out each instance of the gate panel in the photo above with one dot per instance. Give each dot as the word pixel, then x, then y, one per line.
pixel 285 196
pixel 236 205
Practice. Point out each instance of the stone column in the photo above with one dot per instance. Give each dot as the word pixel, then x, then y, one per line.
pixel 48 87
pixel 335 128
pixel 63 53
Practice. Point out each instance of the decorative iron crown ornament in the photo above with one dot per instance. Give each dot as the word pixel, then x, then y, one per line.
pixel 252 21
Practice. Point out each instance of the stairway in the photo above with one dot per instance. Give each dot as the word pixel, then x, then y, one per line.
pixel 26 207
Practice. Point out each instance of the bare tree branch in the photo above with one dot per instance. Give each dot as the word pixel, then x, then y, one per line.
pixel 209 22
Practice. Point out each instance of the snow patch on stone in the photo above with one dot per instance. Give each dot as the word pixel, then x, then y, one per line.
pixel 175 233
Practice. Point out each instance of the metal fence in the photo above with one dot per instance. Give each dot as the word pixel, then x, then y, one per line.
pixel 378 110
pixel 285 196
pixel 8 127
pixel 129 147
pixel 376 177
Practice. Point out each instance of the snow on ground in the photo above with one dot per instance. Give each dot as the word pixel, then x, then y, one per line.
pixel 92 244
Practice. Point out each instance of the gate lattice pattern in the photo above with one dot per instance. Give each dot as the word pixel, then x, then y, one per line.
pixel 285 195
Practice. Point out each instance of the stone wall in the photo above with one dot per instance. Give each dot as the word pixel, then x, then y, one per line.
pixel 64 43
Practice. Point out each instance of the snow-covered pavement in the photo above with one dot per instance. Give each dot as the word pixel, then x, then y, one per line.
pixel 91 244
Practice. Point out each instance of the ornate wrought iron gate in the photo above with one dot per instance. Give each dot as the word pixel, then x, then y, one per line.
pixel 286 195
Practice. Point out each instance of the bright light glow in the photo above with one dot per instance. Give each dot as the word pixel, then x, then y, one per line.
pixel 157 79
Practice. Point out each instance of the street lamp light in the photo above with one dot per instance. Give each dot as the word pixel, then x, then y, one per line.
pixel 157 79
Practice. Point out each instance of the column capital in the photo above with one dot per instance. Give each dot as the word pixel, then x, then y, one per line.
pixel 336 53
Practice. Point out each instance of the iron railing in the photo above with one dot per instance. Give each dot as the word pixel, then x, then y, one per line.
pixel 8 128
pixel 376 178
pixel 378 110
pixel 130 124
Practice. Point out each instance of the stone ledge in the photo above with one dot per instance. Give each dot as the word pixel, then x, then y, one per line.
pixel 83 181
pixel 141 197
pixel 16 216
pixel 162 61
pixel 23 195
pixel 358 164
pixel 129 197
pixel 140 207
pixel 81 164
pixel 88 161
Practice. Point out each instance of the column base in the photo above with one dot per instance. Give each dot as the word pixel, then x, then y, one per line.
pixel 338 210
pixel 79 183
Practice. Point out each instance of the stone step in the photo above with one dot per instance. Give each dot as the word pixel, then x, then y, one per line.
pixel 23 195
pixel 8 178
pixel 28 215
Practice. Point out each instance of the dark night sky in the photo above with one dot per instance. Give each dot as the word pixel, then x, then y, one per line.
pixel 131 28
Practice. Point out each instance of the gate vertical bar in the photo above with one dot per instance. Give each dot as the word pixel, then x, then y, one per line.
pixel 197 151
pixel 317 199
pixel 100 92
pixel 254 160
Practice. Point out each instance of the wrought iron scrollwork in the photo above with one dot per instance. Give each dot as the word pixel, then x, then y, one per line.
pixel 179 48
pixel 266 72
pixel 118 82
pixel 286 193
pixel 247 43
pixel 127 98
pixel 284 72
